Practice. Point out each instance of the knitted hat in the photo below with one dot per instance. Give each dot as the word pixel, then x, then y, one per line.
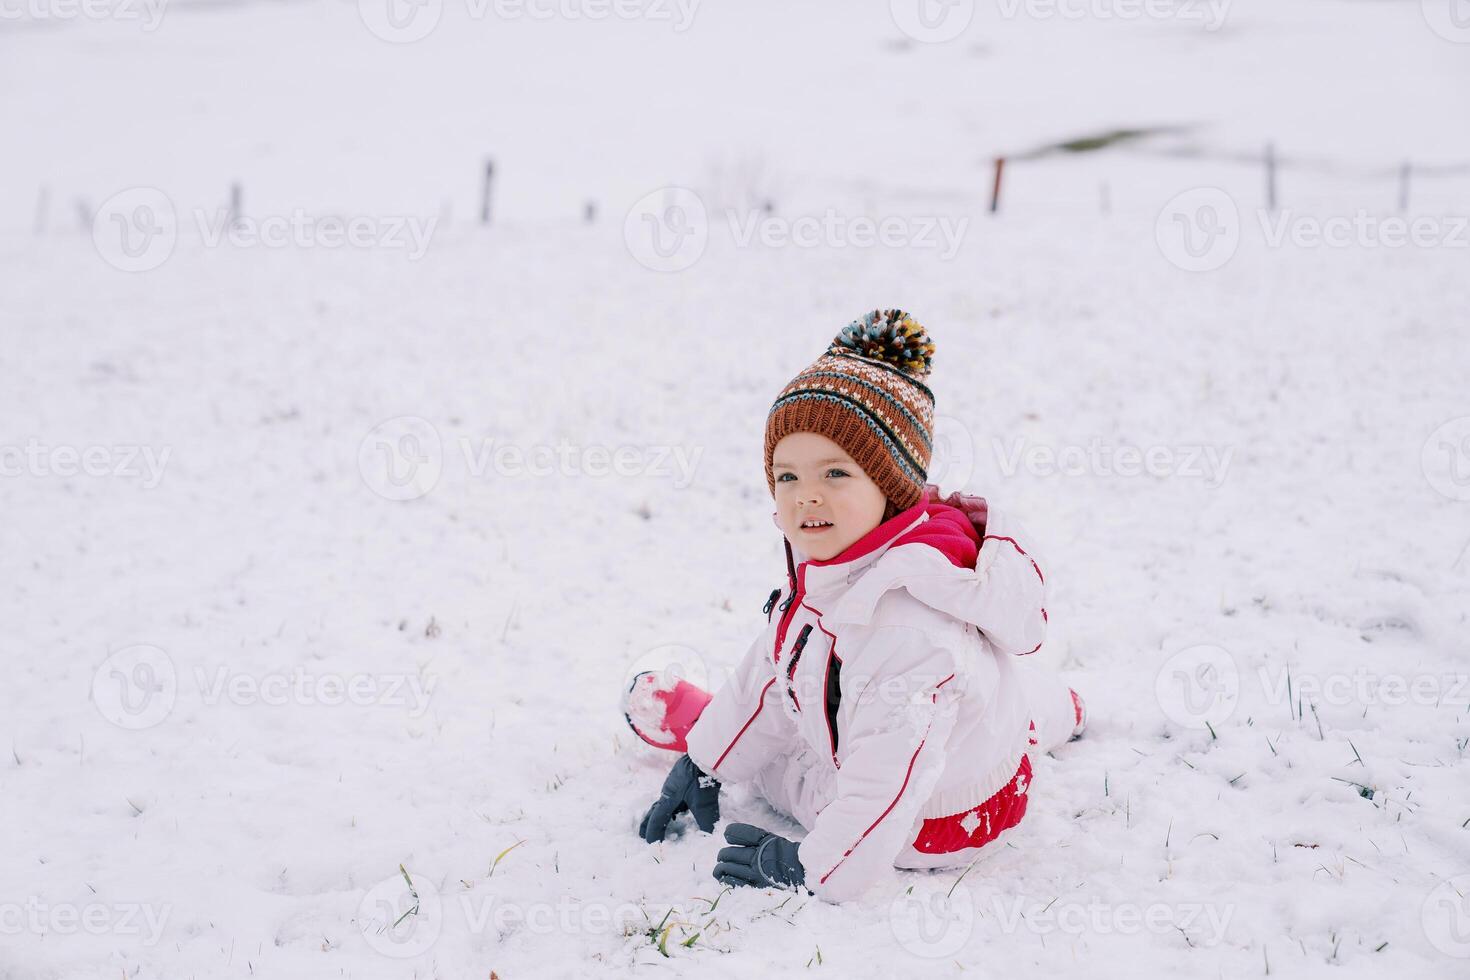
pixel 866 394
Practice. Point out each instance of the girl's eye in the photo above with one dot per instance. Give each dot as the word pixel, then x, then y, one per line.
pixel 834 471
pixel 785 477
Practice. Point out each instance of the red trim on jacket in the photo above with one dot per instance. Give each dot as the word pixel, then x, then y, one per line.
pixel 874 539
pixel 1000 537
pixel 760 703
pixel 799 590
pixel 898 796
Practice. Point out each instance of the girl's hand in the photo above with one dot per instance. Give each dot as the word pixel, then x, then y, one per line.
pixel 759 858
pixel 686 788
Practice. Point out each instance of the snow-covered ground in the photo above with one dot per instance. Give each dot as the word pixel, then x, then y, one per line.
pixel 321 561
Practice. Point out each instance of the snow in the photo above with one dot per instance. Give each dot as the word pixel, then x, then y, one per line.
pixel 257 670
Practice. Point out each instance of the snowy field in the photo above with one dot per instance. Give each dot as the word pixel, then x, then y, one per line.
pixel 322 561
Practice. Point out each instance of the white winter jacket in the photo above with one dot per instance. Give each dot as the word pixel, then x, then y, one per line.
pixel 893 661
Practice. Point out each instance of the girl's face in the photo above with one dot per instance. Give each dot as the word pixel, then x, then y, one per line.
pixel 817 483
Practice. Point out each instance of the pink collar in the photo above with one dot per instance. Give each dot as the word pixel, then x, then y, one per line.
pixel 940 526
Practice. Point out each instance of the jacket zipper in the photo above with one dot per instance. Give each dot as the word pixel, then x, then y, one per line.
pixel 796 649
pixel 788 608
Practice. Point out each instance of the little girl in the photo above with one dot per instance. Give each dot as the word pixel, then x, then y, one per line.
pixel 882 707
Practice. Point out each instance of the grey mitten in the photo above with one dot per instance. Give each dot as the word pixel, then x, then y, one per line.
pixel 687 788
pixel 759 858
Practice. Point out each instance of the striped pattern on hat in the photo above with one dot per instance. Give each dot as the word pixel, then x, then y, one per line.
pixel 866 394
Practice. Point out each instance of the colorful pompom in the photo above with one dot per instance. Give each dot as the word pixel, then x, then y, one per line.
pixel 891 336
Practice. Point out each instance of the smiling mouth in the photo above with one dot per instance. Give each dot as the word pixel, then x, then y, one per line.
pixel 816 525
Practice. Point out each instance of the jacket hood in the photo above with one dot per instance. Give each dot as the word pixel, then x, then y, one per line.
pixel 978 575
